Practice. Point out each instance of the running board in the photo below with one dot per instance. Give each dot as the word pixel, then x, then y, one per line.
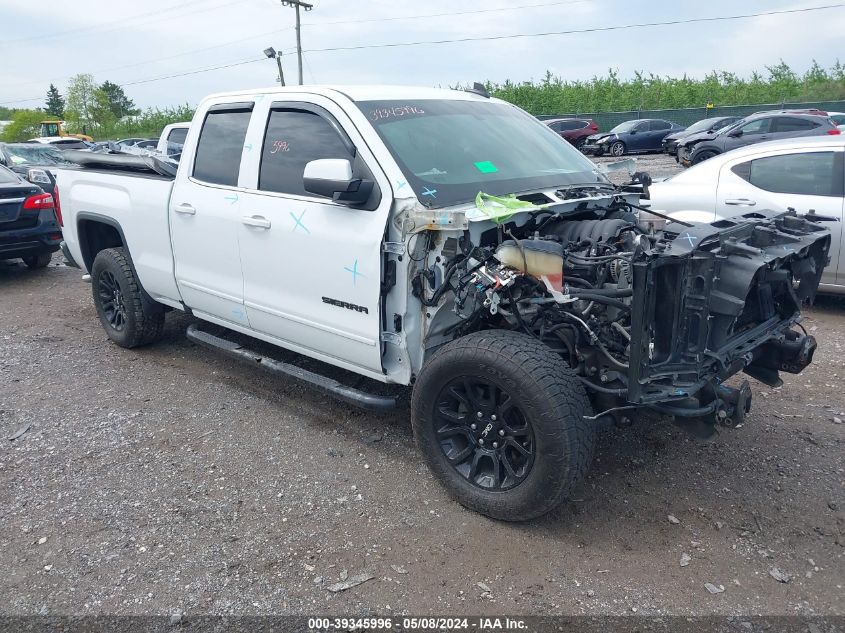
pixel 351 395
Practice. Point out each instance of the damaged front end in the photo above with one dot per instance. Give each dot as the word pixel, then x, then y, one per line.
pixel 649 314
pixel 715 299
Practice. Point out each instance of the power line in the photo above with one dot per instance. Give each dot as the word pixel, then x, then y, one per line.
pixel 575 31
pixel 160 59
pixel 447 15
pixel 126 22
pixel 475 39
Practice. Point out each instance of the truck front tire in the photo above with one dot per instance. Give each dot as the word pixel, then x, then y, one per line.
pixel 499 419
pixel 129 318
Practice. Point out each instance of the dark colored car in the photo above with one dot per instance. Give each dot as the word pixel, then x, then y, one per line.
pixel 670 142
pixel 29 221
pixel 631 137
pixel 757 128
pixel 34 162
pixel 575 131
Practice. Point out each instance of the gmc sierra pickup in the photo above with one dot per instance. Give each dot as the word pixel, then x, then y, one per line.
pixel 449 241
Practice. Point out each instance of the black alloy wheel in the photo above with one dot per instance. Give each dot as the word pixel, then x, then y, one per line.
pixel 483 433
pixel 111 297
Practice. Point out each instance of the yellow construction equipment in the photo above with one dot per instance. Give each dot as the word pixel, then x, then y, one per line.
pixel 57 128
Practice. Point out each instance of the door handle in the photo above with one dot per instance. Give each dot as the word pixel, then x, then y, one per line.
pixel 740 202
pixel 257 221
pixel 185 209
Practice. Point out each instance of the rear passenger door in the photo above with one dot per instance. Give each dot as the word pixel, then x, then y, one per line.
pixel 205 216
pixel 657 129
pixel 312 267
pixel 791 126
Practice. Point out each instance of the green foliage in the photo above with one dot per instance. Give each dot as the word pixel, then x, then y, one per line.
pixel 24 126
pixel 644 91
pixel 80 101
pixel 148 123
pixel 119 104
pixel 55 103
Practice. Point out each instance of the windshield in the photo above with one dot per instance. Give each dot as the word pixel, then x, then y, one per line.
pixel 35 155
pixel 627 126
pixel 450 150
pixel 704 124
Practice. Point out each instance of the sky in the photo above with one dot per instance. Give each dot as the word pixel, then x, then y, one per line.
pixel 136 44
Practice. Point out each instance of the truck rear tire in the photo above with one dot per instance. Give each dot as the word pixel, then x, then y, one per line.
pixel 129 318
pixel 499 419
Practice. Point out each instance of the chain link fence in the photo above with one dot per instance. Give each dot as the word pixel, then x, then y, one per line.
pixel 688 116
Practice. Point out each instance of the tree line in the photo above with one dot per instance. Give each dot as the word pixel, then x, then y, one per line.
pixel 103 111
pixel 610 93
pixel 106 112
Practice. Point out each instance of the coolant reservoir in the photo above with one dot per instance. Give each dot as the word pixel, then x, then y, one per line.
pixel 542 259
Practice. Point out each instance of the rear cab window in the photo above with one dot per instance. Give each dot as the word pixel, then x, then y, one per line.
pixel 221 144
pixel 178 135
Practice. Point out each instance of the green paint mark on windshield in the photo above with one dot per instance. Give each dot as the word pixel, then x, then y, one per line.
pixel 486 167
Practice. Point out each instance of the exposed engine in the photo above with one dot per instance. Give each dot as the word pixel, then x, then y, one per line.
pixel 646 315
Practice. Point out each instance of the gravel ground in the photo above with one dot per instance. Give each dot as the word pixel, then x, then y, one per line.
pixel 168 478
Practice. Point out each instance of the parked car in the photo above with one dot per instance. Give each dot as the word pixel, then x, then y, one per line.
pixel 670 142
pixel 757 128
pixel 346 224
pixel 631 137
pixel 838 118
pixel 30 222
pixel 34 162
pixel 62 142
pixel 575 131
pixel 806 174
pixel 142 143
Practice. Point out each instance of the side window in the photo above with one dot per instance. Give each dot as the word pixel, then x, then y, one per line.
pixel 641 127
pixel 660 125
pixel 792 124
pixel 760 126
pixel 557 126
pixel 221 145
pixel 812 174
pixel 178 135
pixel 294 138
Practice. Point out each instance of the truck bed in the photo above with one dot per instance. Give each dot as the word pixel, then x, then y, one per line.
pixel 136 204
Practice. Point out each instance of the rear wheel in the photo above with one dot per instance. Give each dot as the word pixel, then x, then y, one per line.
pixel 129 318
pixel 499 419
pixel 579 143
pixel 617 148
pixel 38 261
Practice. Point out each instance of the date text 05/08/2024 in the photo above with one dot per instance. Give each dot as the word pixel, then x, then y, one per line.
pixel 417 624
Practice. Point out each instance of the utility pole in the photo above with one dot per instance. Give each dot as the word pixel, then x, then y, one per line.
pixel 296 4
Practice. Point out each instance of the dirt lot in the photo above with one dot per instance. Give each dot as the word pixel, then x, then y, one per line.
pixel 168 479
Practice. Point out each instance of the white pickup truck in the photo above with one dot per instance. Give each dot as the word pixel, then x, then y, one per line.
pixel 449 241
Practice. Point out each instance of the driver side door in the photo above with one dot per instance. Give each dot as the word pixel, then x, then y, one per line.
pixel 312 267
pixel 752 132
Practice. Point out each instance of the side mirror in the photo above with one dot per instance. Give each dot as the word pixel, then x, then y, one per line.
pixel 735 133
pixel 634 131
pixel 332 178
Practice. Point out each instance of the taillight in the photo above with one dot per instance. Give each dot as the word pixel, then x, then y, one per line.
pixel 834 132
pixel 38 202
pixel 595 127
pixel 58 206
